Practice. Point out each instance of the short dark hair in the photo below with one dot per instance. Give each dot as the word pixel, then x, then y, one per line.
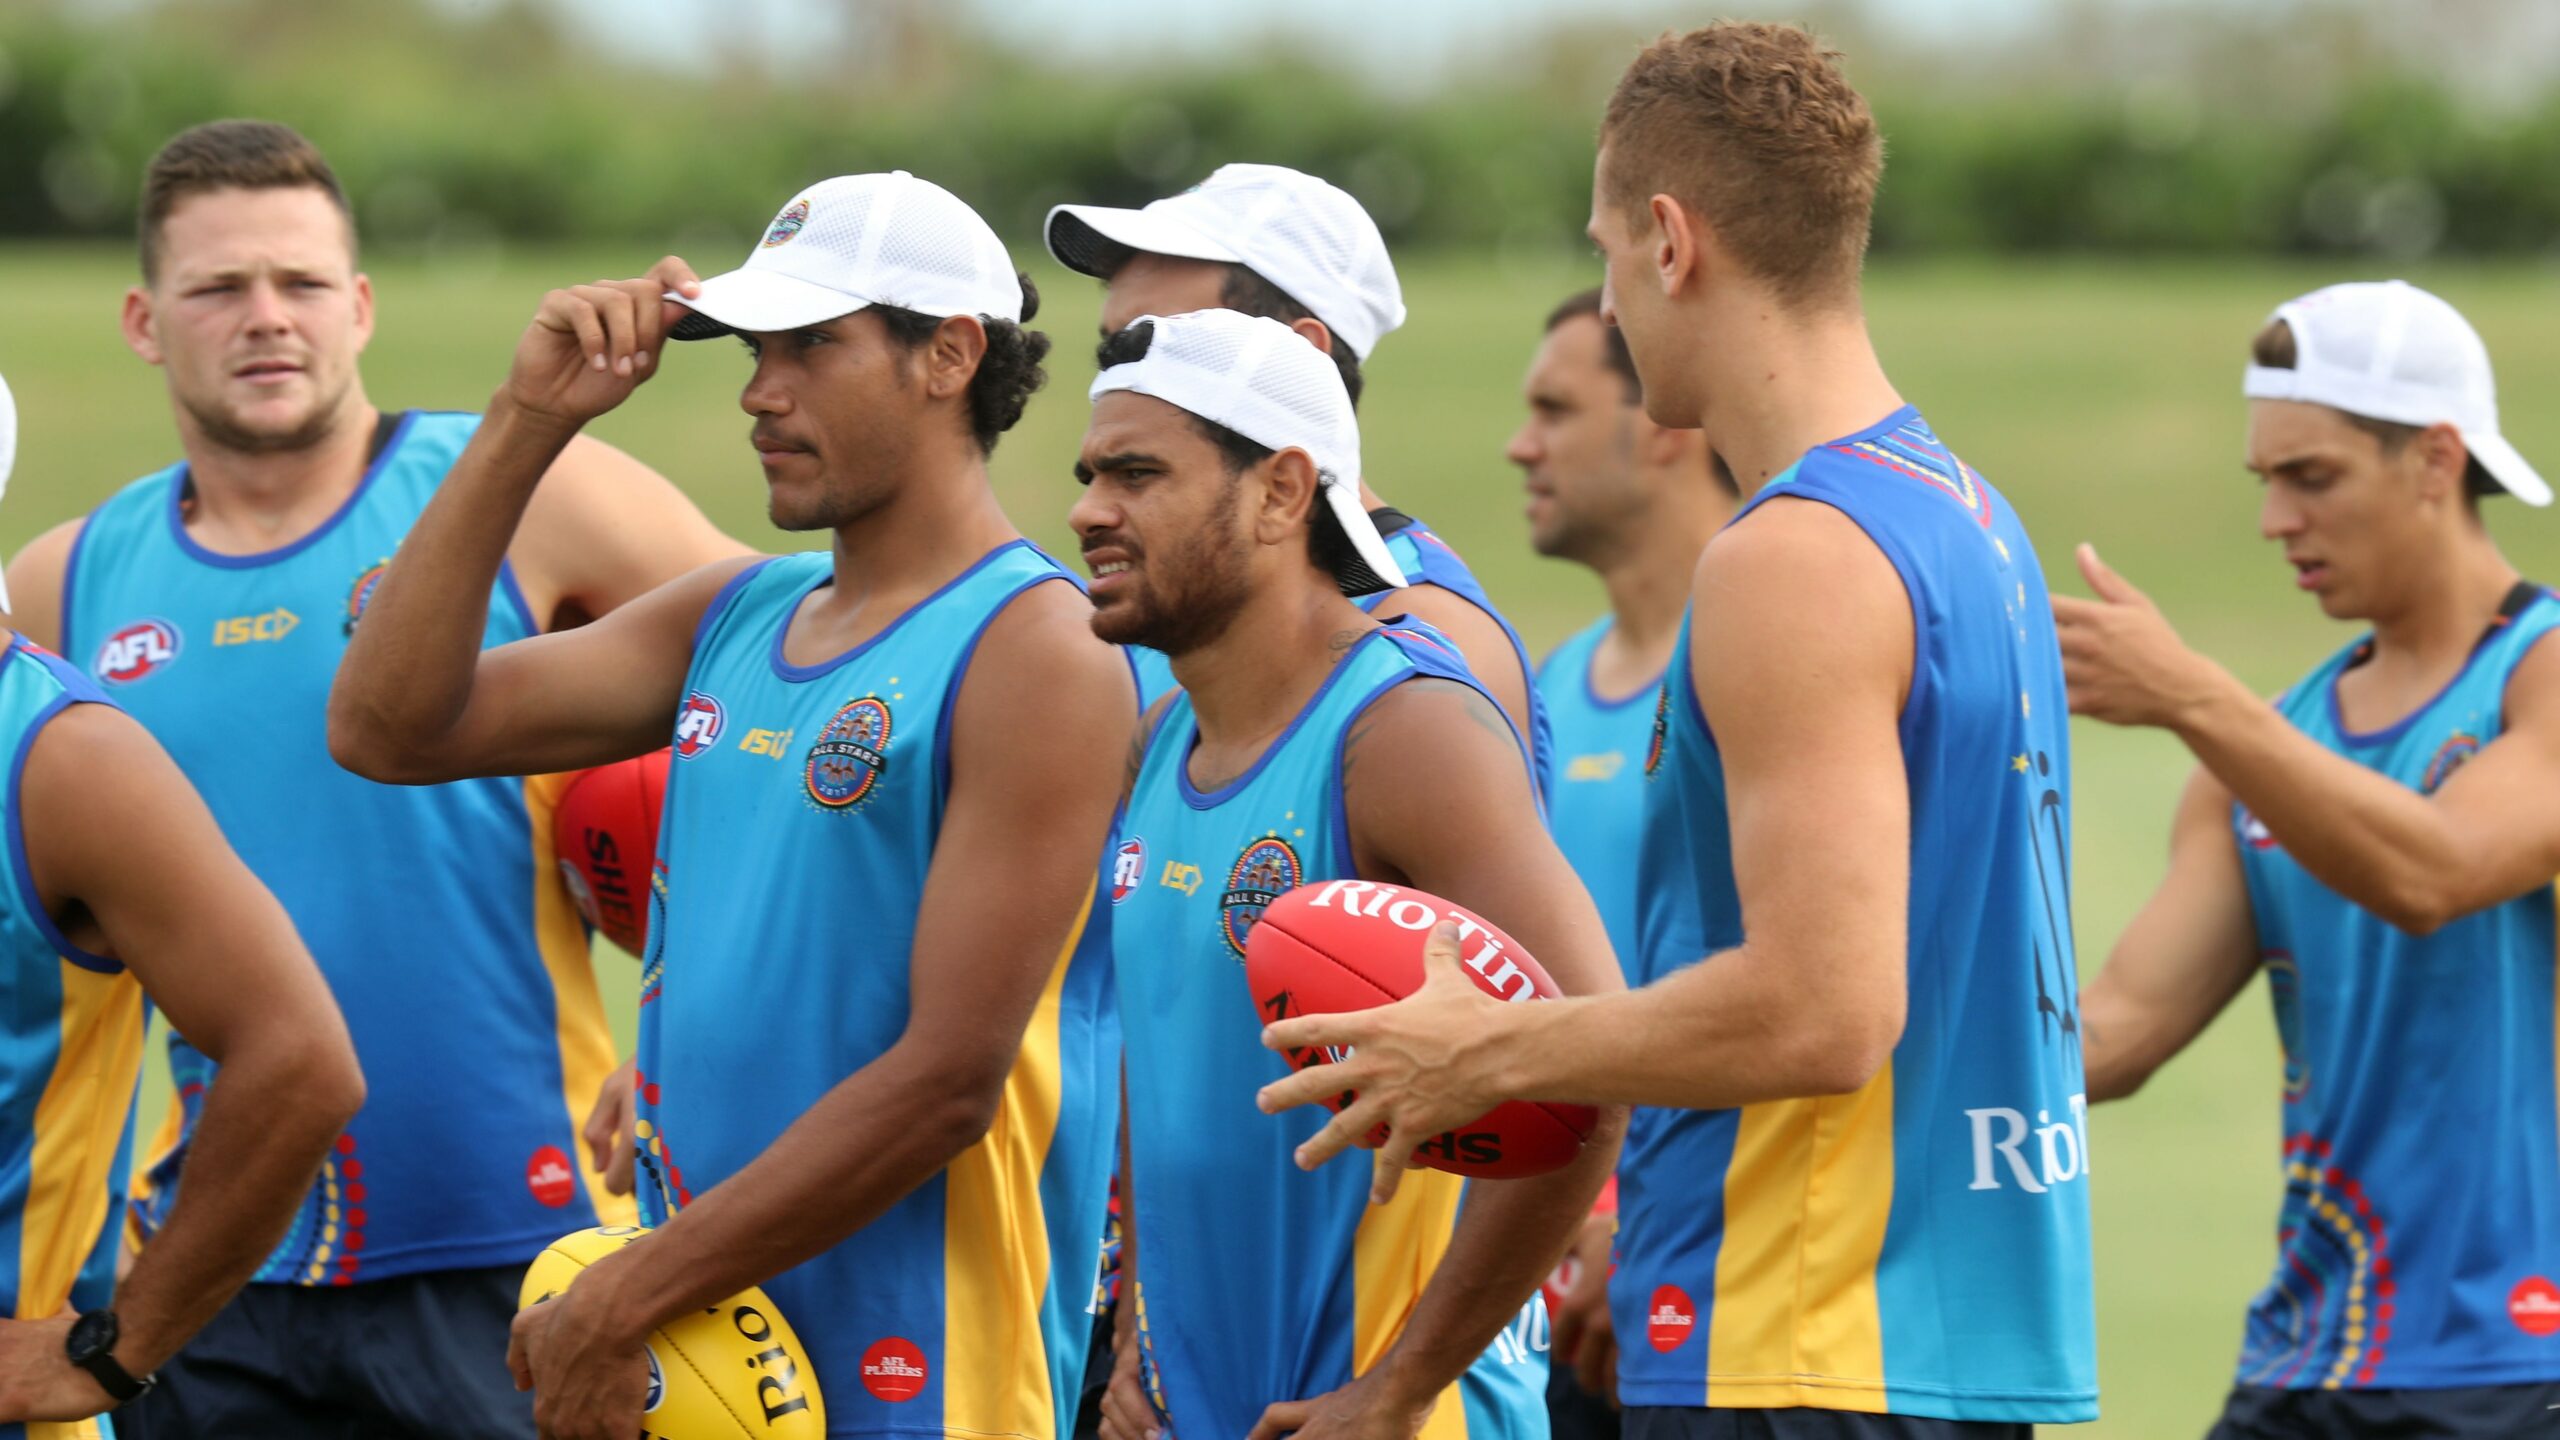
pixel 231 155
pixel 1328 545
pixel 1614 345
pixel 1009 374
pixel 2273 348
pixel 1246 291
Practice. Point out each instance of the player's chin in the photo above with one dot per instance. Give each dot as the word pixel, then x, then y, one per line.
pixel 1121 620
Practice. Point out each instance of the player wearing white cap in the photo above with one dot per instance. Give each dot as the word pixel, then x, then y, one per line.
pixel 2381 842
pixel 873 1036
pixel 1306 742
pixel 1274 242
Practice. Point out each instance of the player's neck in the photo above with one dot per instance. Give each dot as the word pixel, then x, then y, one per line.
pixel 242 502
pixel 2440 618
pixel 1784 383
pixel 1648 585
pixel 922 538
pixel 1278 651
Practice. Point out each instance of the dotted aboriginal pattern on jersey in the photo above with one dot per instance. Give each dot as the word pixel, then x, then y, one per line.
pixel 2326 1317
pixel 327 1247
pixel 656 1162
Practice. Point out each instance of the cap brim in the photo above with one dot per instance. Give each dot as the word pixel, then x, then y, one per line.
pixel 2508 468
pixel 758 300
pixel 1376 569
pixel 1098 239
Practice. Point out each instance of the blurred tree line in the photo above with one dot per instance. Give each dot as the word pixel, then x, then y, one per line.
pixel 453 131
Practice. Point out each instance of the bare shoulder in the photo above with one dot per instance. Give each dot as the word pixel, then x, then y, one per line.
pixel 51 549
pixel 92 770
pixel 1039 666
pixel 1799 581
pixel 35 583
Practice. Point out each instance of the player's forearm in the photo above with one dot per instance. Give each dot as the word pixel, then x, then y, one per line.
pixel 407 675
pixel 1509 1236
pixel 867 1143
pixel 2360 832
pixel 269 1118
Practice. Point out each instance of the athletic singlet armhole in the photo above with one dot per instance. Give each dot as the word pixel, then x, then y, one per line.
pixel 1904 567
pixel 27 893
pixel 723 597
pixel 2522 651
pixel 960 675
pixel 1341 805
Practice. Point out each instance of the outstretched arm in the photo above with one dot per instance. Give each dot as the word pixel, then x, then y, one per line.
pixel 417 700
pixel 2488 835
pixel 130 860
pixel 1025 822
pixel 1805 694
pixel 2188 951
pixel 1439 799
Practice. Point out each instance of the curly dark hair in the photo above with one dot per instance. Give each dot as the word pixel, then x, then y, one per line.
pixel 1008 374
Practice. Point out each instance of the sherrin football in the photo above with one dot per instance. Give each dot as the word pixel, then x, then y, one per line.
pixel 605 832
pixel 732 1372
pixel 1355 944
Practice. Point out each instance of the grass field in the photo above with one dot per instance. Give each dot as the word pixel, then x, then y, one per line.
pixel 2102 399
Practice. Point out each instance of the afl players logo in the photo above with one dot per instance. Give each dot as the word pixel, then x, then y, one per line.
pixel 698 725
pixel 136 651
pixel 1661 728
pixel 788 223
pixel 2449 757
pixel 360 594
pixel 1267 870
pixel 850 755
pixel 1128 868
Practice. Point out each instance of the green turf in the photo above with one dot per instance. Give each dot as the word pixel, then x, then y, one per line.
pixel 2103 399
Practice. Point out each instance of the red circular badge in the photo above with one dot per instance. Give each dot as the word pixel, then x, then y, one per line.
pixel 893 1370
pixel 549 1177
pixel 2535 1306
pixel 1669 1318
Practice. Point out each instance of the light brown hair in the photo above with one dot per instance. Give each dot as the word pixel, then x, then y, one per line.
pixel 231 155
pixel 1753 127
pixel 2273 348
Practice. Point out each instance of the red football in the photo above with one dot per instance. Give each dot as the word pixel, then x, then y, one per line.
pixel 606 835
pixel 1354 944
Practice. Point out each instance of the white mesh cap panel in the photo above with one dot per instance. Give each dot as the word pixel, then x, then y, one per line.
pixel 1258 378
pixel 857 240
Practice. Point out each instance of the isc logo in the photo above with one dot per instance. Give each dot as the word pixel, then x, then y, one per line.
pixel 776 743
pixel 136 651
pixel 249 629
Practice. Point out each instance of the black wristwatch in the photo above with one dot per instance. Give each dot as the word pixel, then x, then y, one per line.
pixel 91 1346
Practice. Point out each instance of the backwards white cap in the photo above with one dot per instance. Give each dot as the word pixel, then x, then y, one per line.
pixel 2387 350
pixel 8 456
pixel 1258 378
pixel 854 241
pixel 1307 237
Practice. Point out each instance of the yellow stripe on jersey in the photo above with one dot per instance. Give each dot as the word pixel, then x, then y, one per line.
pixel 995 1239
pixel 1796 1321
pixel 80 1119
pixel 1393 1253
pixel 585 1040
pixel 64 1430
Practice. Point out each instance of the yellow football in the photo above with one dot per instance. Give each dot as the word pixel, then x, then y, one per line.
pixel 732 1372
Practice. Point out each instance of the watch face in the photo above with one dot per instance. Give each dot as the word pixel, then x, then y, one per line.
pixel 92 1335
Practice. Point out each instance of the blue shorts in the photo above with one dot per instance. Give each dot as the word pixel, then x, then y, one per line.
pixel 422 1356
pixel 2481 1412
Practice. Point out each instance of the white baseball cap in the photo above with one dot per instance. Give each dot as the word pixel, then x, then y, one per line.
pixel 2387 350
pixel 1258 378
pixel 854 241
pixel 1307 237
pixel 8 457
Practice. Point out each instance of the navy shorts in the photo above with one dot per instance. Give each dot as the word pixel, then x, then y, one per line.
pixel 1683 1422
pixel 2484 1412
pixel 421 1356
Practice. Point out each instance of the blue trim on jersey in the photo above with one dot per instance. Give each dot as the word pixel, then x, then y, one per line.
pixel 1591 687
pixel 960 673
pixel 177 511
pixel 2365 739
pixel 1191 794
pixel 801 674
pixel 727 592
pixel 36 913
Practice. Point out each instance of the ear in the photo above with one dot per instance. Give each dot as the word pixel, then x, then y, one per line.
pixel 364 311
pixel 1680 239
pixel 951 357
pixel 136 323
pixel 1289 486
pixel 2442 459
pixel 1314 332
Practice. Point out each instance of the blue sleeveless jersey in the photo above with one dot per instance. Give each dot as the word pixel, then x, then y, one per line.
pixel 2419 1242
pixel 70 1052
pixel 1428 560
pixel 1919 1247
pixel 1595 801
pixel 802 813
pixel 1259 1282
pixel 437 912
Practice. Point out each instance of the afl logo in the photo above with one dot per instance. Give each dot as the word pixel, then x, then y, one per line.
pixel 2254 832
pixel 1128 868
pixel 2449 757
pixel 136 651
pixel 360 594
pixel 788 223
pixel 698 725
pixel 1661 728
pixel 1267 870
pixel 850 755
